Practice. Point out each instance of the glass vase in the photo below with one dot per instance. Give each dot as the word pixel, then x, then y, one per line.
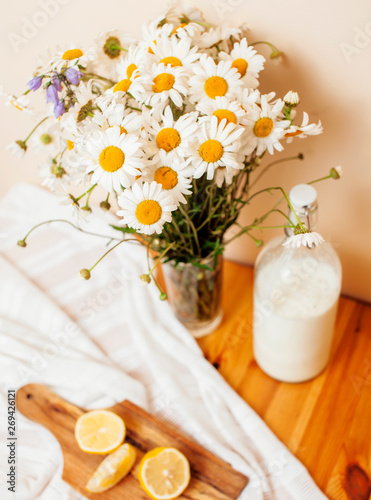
pixel 194 293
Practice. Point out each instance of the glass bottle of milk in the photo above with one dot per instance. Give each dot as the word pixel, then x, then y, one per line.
pixel 296 292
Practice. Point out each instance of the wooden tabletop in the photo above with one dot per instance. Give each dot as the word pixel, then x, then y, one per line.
pixel 326 423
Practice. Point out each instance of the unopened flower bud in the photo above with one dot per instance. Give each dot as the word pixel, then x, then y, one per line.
pixel 87 209
pixel 336 172
pixel 301 156
pixel 85 273
pixel 104 205
pixel 163 296
pixel 21 243
pixel 291 98
pixel 146 279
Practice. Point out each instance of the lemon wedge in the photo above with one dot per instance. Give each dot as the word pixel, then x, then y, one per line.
pixel 164 473
pixel 113 469
pixel 99 431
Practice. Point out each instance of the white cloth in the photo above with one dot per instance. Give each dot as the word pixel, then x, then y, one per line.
pixel 101 341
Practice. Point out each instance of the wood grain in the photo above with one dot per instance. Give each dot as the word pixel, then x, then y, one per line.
pixel 325 422
pixel 212 478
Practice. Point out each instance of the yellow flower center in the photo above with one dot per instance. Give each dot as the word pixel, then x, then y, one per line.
pixel 123 130
pixel 168 139
pixel 167 177
pixel 211 151
pixel 162 82
pixel 241 66
pixel 123 85
pixel 176 29
pixel 148 212
pixel 131 68
pixel 70 145
pixel 111 159
pixel 173 61
pixel 263 127
pixel 225 113
pixel 72 54
pixel 216 86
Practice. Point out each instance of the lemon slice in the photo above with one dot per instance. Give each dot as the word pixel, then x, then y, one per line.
pixel 113 469
pixel 99 431
pixel 164 473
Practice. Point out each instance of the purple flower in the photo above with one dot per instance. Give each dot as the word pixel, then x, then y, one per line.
pixel 56 82
pixel 35 83
pixel 73 76
pixel 52 95
pixel 59 109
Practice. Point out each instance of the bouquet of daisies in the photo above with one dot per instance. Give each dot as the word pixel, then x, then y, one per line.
pixel 169 127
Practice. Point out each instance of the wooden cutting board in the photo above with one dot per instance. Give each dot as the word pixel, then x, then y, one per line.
pixel 212 478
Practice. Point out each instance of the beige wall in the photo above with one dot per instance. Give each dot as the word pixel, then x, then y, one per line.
pixel 328 52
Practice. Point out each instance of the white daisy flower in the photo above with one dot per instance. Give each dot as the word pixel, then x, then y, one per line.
pixel 146 207
pixel 113 158
pixel 18 148
pixel 174 51
pixel 71 57
pixel 222 108
pixel 214 36
pixel 54 175
pixel 162 83
pixel 135 61
pixel 248 97
pixel 304 129
pixel 181 12
pixel 21 103
pixel 174 177
pixel 213 80
pixel 310 240
pixel 130 122
pixel 247 62
pixel 169 136
pixel 47 138
pixel 85 97
pixel 264 127
pixel 111 44
pixel 152 31
pixel 217 146
pixel 77 212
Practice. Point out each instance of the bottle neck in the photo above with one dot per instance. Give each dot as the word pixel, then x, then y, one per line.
pixel 308 217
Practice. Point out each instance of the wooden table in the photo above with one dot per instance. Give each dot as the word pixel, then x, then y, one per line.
pixel 326 423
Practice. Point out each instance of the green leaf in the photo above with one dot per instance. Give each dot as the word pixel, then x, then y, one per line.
pixel 123 229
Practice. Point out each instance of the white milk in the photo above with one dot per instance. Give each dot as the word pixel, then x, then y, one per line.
pixel 294 319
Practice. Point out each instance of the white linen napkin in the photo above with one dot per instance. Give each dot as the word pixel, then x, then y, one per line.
pixel 100 341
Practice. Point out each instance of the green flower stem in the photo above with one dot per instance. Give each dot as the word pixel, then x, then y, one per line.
pixel 270 165
pixel 275 52
pixel 190 222
pixel 204 24
pixel 175 224
pixel 33 130
pixel 86 192
pixel 99 77
pixel 320 179
pixel 71 224
pixel 161 256
pixel 110 250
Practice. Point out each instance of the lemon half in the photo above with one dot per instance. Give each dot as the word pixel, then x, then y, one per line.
pixel 164 473
pixel 99 431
